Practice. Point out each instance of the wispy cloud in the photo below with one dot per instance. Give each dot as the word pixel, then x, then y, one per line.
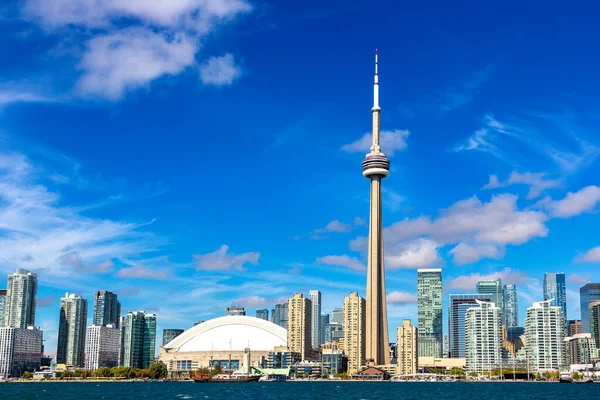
pixel 397 297
pixel 468 282
pixel 143 272
pixel 222 260
pixel 220 71
pixel 537 182
pixel 159 39
pixel 391 142
pixel 590 256
pixel 344 260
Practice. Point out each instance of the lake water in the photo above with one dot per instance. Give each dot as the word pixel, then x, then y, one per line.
pixel 300 390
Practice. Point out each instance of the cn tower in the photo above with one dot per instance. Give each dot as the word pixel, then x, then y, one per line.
pixel 376 166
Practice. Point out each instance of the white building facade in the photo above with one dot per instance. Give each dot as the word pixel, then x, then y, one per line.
pixel 544 336
pixel 102 346
pixel 315 323
pixel 580 349
pixel 483 337
pixel 20 350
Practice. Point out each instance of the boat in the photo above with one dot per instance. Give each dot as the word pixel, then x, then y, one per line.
pixel 227 378
pixel 565 378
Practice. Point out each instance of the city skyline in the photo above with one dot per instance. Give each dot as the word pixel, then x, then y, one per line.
pixel 105 174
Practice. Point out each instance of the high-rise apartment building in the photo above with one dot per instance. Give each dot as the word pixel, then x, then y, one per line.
pixel 407 348
pixel 323 328
pixel 594 320
pixel 587 293
pixel 70 349
pixel 555 290
pixel 580 349
pixel 483 339
pixel 235 310
pixel 544 335
pixel 574 327
pixel 299 327
pixel 494 288
pixel 138 339
pixel 102 346
pixel 511 306
pixel 107 309
pixel 263 314
pixel 429 303
pixel 20 351
pixel 2 303
pixel 21 292
pixel 279 315
pixel 170 334
pixel 458 305
pixel 354 331
pixel 315 323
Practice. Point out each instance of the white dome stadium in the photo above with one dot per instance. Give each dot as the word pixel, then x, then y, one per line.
pixel 233 333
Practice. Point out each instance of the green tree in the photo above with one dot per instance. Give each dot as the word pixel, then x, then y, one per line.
pixel 158 371
pixel 538 377
pixel 66 374
pixel 103 372
pixel 217 369
pixel 203 371
pixel 457 371
pixel 27 375
pixel 576 375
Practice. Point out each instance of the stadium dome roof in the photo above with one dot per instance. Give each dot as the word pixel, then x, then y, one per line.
pixel 233 332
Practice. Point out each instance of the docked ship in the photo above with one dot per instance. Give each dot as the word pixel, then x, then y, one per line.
pixel 236 377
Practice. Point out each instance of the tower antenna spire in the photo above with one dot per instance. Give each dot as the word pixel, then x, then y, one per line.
pixel 376 83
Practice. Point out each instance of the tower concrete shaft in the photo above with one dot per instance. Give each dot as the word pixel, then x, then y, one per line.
pixel 376 167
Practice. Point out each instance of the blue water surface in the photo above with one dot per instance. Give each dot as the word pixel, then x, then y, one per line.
pixel 300 390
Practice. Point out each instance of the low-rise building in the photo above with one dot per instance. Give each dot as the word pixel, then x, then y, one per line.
pixel 333 359
pixel 580 349
pixel 307 368
pixel 282 357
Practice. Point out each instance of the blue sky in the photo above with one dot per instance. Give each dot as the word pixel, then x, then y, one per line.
pixel 197 154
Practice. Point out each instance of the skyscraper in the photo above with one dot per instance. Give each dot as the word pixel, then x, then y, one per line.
pixel 21 292
pixel 511 306
pixel 457 313
pixel 337 316
pixel 594 320
pixel 279 315
pixel 574 327
pixel 495 289
pixel 354 331
pixel 170 334
pixel 70 349
pixel 587 293
pixel 138 339
pixel 376 166
pixel 315 323
pixel 299 329
pixel 408 349
pixel 483 339
pixel 544 334
pixel 20 350
pixel 555 289
pixel 102 346
pixel 262 314
pixel 107 309
pixel 2 303
pixel 323 327
pixel 429 304
pixel 235 310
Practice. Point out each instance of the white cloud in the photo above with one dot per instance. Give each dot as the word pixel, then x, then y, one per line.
pixel 420 253
pixel 39 233
pixel 344 260
pixel 220 71
pixel 159 38
pixel 584 200
pixel 14 94
pixel 397 297
pixel 142 272
pixel 469 282
pixel 358 221
pixel 130 58
pixel 252 302
pixel 221 260
pixel 175 14
pixel 484 229
pixel 468 254
pixel 537 182
pixel 335 226
pixel 391 142
pixel 590 256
